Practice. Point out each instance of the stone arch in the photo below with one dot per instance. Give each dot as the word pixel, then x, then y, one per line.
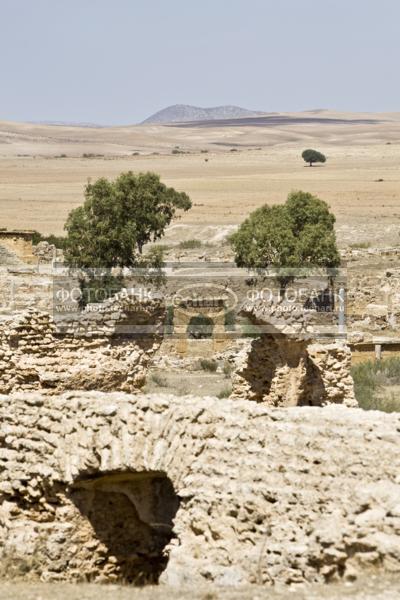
pixel 200 329
pixel 283 367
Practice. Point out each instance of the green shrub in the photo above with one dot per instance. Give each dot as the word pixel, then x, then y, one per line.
pixel 36 238
pixel 370 380
pixel 227 369
pixel 225 393
pixel 159 379
pixel 360 245
pixel 189 244
pixel 162 247
pixel 208 365
pixel 230 320
pixel 57 240
pixel 178 151
pixel 169 319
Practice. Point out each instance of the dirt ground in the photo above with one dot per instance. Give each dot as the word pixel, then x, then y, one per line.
pixel 369 589
pixel 360 180
pixel 182 382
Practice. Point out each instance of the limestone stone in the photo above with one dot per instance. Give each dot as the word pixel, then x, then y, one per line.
pixel 285 366
pixel 144 488
pixel 80 350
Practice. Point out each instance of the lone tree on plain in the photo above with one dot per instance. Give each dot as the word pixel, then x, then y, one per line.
pixel 298 234
pixel 118 218
pixel 313 156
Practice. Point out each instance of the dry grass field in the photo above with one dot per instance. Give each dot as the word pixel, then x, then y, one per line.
pixel 360 181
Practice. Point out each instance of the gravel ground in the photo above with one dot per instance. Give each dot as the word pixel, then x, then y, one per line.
pixel 373 588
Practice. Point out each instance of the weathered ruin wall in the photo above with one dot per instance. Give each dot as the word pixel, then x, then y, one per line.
pixel 20 290
pixel 109 349
pixel 285 366
pixel 280 371
pixel 331 380
pixel 92 483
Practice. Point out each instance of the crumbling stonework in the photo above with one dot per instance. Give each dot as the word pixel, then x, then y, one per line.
pixel 46 252
pixel 114 487
pixel 19 244
pixel 330 380
pixel 280 371
pixel 22 288
pixel 104 350
pixel 284 366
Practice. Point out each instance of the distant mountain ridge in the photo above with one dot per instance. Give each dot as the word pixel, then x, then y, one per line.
pixel 66 124
pixel 185 112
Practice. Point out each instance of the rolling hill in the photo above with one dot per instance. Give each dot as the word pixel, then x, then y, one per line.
pixel 185 112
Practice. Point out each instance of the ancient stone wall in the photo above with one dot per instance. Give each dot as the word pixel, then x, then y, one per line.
pixel 285 366
pixel 112 487
pixel 47 253
pixel 280 371
pixel 23 288
pixel 108 349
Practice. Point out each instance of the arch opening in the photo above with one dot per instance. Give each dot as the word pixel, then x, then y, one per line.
pixel 131 524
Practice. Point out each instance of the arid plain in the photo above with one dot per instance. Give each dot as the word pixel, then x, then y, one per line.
pixel 227 167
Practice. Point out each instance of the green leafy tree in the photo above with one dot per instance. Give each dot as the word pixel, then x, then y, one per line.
pixel 118 218
pixel 112 226
pixel 265 239
pixel 296 235
pixel 313 156
pixel 305 209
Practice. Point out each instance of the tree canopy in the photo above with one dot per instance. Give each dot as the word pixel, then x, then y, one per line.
pixel 313 156
pixel 297 234
pixel 118 218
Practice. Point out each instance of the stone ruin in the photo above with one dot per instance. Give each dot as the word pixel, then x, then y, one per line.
pixel 111 487
pixel 107 349
pixel 118 488
pixel 284 366
pixel 16 247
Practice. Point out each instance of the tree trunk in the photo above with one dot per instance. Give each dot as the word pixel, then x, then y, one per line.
pixel 331 287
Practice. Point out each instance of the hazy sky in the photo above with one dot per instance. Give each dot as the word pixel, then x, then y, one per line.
pixel 118 61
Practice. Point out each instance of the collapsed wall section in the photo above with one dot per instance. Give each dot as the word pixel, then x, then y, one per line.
pixel 107 349
pixel 285 366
